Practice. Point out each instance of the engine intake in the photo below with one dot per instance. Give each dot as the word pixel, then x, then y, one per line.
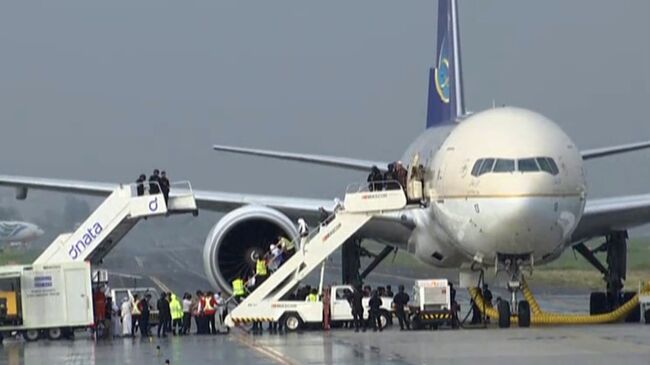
pixel 233 242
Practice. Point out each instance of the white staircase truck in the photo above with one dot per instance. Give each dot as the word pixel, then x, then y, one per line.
pixel 52 296
pixel 113 219
pixel 267 303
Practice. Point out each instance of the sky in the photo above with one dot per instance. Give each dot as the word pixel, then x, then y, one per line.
pixel 104 90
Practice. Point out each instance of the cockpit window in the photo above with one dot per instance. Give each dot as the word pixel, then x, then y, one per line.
pixel 534 164
pixel 527 165
pixel 486 167
pixel 547 164
pixel 503 165
pixel 477 167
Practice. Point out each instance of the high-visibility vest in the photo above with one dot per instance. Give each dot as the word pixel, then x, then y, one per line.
pixel 261 267
pixel 208 305
pixel 175 308
pixel 312 298
pixel 238 287
pixel 287 244
pixel 134 308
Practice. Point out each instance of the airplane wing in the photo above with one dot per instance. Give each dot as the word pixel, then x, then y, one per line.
pixel 209 200
pixel 344 162
pixel 613 150
pixel 602 216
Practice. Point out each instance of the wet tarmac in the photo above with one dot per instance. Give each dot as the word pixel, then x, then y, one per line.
pixel 605 344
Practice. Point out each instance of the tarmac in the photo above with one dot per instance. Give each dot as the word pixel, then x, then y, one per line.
pixel 606 344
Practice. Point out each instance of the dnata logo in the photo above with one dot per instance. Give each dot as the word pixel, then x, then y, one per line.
pixel 442 73
pixel 80 246
pixel 153 204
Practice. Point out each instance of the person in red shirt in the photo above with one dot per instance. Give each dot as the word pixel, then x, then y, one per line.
pixel 209 306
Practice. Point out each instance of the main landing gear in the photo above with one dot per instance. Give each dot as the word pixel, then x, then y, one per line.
pixel 614 272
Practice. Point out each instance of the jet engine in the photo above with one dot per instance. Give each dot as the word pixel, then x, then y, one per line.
pixel 234 241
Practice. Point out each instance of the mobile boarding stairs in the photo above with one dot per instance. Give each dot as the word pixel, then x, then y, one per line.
pixel 358 209
pixel 113 219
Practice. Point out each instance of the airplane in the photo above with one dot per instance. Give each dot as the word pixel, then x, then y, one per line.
pixel 503 188
pixel 19 232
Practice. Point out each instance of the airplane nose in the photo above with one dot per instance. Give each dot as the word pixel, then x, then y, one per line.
pixel 39 232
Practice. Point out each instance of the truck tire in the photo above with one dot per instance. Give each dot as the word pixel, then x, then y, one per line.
pixel 523 314
pixel 292 322
pixel 31 335
pixel 54 334
pixel 504 314
pixel 647 316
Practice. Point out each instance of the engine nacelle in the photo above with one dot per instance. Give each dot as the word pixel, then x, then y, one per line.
pixel 233 242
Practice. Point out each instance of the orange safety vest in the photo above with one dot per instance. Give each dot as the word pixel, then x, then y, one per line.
pixel 135 310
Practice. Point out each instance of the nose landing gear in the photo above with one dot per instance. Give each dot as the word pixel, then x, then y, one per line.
pixel 513 266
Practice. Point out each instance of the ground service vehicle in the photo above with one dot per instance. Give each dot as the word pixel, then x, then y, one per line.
pixel 45 300
pixel 431 304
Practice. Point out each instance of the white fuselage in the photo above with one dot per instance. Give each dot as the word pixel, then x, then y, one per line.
pixel 514 206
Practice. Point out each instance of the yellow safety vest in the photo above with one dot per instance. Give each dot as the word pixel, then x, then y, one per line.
pixel 312 298
pixel 134 308
pixel 261 268
pixel 287 244
pixel 238 287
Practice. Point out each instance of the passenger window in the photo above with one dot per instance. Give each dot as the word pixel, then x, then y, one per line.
pixel 504 165
pixel 527 165
pixel 487 166
pixel 477 167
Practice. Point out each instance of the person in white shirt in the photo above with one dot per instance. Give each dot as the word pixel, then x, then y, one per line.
pixel 187 313
pixel 125 310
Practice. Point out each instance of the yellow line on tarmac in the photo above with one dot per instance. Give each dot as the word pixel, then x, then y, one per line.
pixel 264 350
pixel 160 284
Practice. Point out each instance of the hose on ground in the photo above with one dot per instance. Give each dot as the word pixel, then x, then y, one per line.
pixel 539 317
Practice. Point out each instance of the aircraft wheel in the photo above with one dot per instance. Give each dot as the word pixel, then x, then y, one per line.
pixel 504 314
pixel 31 335
pixel 597 303
pixel 523 313
pixel 292 322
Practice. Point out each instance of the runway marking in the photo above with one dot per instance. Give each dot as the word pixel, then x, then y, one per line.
pixel 264 350
pixel 160 284
pixel 138 260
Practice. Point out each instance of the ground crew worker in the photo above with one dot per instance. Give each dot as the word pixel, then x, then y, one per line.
pixel 261 271
pixel 144 318
pixel 374 179
pixel 163 313
pixel 196 311
pixel 374 312
pixel 313 296
pixel 356 303
pixel 455 307
pixel 209 310
pixel 177 314
pixel 187 313
pixel 136 315
pixel 400 301
pixel 154 182
pixel 238 290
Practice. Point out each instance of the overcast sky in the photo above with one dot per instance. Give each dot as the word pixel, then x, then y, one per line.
pixel 102 90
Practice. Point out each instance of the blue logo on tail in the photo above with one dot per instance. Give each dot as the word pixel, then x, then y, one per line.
pixel 442 74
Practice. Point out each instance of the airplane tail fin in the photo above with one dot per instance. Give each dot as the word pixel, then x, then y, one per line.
pixel 445 98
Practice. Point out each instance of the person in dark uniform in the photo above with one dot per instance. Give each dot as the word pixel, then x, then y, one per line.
pixel 374 179
pixel 144 317
pixel 163 314
pixel 164 185
pixel 356 302
pixel 373 316
pixel 389 291
pixel 400 301
pixel 390 178
pixel 487 297
pixel 454 306
pixel 140 184
pixel 154 182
